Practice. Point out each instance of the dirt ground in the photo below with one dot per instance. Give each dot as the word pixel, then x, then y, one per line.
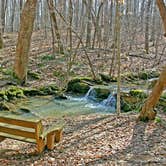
pixel 96 139
pixel 93 139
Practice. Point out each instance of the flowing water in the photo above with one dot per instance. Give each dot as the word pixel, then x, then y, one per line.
pixel 72 106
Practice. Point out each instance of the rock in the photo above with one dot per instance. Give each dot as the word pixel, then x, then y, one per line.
pixel 144 75
pixel 49 90
pixel 33 75
pixel 86 82
pixel 79 87
pixel 60 96
pixel 102 92
pixel 107 78
pixel 11 93
pixel 138 93
pixel 32 92
pixel 14 92
pixel 148 75
pixel 132 100
pixel 4 106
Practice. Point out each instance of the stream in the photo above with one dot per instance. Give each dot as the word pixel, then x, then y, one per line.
pixel 48 106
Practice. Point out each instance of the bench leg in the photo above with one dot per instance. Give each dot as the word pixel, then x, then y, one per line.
pixel 40 145
pixel 2 138
pixel 58 135
pixel 50 140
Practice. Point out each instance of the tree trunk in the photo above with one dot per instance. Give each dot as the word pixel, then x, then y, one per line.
pixel 56 29
pixel 24 40
pixel 162 9
pixel 147 112
pixel 3 2
pixel 118 52
pixel 88 30
pixel 1 40
pixel 13 14
pixel 147 19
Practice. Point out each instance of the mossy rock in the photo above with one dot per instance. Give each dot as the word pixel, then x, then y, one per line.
pixel 129 76
pixel 33 75
pixel 4 106
pixel 49 90
pixel 87 80
pixel 148 75
pixel 102 92
pixel 14 92
pixel 79 87
pixel 138 93
pixel 107 78
pixel 32 92
pixel 132 100
pixel 126 107
pixel 126 97
pixel 60 96
pixel 3 95
pixel 11 93
pixel 79 82
pixel 7 71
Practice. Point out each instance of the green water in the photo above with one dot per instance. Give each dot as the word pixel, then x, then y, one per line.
pixel 46 107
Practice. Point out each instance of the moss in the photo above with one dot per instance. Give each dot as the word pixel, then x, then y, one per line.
pixel 126 107
pixel 48 57
pixel 7 71
pixel 132 100
pixel 32 92
pixel 138 93
pixel 49 90
pixel 76 82
pixel 107 78
pixel 102 92
pixel 14 92
pixel 11 93
pixel 4 106
pixel 144 75
pixel 163 95
pixel 157 120
pixel 33 75
pixel 79 87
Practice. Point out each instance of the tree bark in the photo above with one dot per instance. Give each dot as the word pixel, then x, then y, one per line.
pixel 88 29
pixel 147 19
pixel 3 11
pixel 148 112
pixel 24 40
pixel 162 9
pixel 56 29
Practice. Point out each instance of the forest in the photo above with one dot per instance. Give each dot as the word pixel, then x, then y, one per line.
pixel 83 82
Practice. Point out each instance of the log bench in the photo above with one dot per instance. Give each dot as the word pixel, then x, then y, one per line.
pixel 30 131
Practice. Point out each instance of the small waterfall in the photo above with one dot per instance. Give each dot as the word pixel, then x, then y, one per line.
pixel 110 101
pixel 91 94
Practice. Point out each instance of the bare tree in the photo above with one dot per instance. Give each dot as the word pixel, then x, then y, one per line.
pixel 24 40
pixel 147 112
pixel 147 19
pixel 55 25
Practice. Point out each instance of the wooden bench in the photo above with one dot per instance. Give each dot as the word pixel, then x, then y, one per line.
pixel 30 131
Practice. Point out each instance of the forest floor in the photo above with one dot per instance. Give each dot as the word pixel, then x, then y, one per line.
pixel 94 139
